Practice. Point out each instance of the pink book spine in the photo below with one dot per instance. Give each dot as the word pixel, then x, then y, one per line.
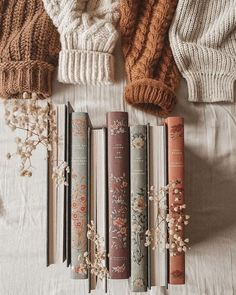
pixel 119 195
pixel 175 127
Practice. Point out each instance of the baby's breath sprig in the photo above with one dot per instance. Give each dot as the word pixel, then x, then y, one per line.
pixel 174 217
pixel 155 236
pixel 98 265
pixel 176 221
pixel 37 120
pixel 32 116
pixel 58 174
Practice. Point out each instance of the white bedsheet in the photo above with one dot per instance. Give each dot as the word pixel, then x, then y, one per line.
pixel 210 135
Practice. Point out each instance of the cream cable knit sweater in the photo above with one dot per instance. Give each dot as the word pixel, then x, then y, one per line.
pixel 88 36
pixel 203 41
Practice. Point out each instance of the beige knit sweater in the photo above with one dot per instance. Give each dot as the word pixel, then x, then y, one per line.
pixel 203 41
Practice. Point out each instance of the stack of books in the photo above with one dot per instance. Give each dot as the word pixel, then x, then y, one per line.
pixel 119 178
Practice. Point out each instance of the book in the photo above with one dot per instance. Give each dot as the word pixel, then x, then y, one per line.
pixel 56 231
pixel 93 202
pixel 102 197
pixel 52 203
pixel 157 207
pixel 138 212
pixel 69 111
pixel 118 194
pixel 175 131
pixel 79 192
pixel 98 196
pixel 60 205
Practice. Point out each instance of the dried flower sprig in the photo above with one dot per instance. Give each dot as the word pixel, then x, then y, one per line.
pixel 155 236
pixel 58 174
pixel 98 265
pixel 32 116
pixel 37 119
pixel 175 219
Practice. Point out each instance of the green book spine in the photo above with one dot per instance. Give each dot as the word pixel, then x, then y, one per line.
pixel 139 200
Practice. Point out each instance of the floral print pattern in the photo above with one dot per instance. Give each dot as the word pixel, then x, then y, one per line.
pixel 79 127
pixel 177 131
pixel 138 141
pixel 119 222
pixel 119 268
pixel 79 212
pixel 118 127
pixel 138 283
pixel 138 225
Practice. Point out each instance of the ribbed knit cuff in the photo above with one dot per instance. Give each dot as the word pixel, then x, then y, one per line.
pixel 209 87
pixel 151 96
pixel 210 72
pixel 28 76
pixel 86 67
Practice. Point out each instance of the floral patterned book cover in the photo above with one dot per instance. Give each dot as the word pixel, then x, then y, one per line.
pixel 118 195
pixel 79 193
pixel 139 200
pixel 175 131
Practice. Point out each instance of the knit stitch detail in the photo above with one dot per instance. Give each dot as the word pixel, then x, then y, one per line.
pixel 88 37
pixel 151 96
pixel 144 28
pixel 86 67
pixel 210 87
pixel 31 76
pixel 29 47
pixel 202 38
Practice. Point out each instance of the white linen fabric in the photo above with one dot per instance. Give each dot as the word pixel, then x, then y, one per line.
pixel 210 136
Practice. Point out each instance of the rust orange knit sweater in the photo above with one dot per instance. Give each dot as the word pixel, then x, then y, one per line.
pixel 152 73
pixel 29 47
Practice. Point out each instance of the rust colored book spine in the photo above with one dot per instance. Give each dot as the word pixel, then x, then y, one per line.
pixel 175 127
pixel 118 195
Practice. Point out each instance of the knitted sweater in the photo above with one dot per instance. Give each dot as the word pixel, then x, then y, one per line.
pixel 203 40
pixel 151 70
pixel 88 36
pixel 29 46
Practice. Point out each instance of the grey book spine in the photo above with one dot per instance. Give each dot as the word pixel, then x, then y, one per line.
pixel 79 193
pixel 139 202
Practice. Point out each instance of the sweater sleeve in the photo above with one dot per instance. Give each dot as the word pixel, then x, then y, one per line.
pixel 88 37
pixel 29 48
pixel 150 67
pixel 202 38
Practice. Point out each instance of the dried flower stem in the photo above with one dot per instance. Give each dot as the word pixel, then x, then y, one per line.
pixel 38 121
pixel 174 217
pixel 97 266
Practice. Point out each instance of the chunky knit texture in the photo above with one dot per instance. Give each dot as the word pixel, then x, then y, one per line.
pixel 203 40
pixel 151 70
pixel 88 37
pixel 29 47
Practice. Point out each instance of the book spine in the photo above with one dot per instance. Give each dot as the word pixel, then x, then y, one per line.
pixel 139 200
pixel 175 131
pixel 149 283
pixel 93 203
pixel 60 188
pixel 118 195
pixel 79 193
pixel 52 198
pixel 68 187
pixel 102 196
pixel 157 206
